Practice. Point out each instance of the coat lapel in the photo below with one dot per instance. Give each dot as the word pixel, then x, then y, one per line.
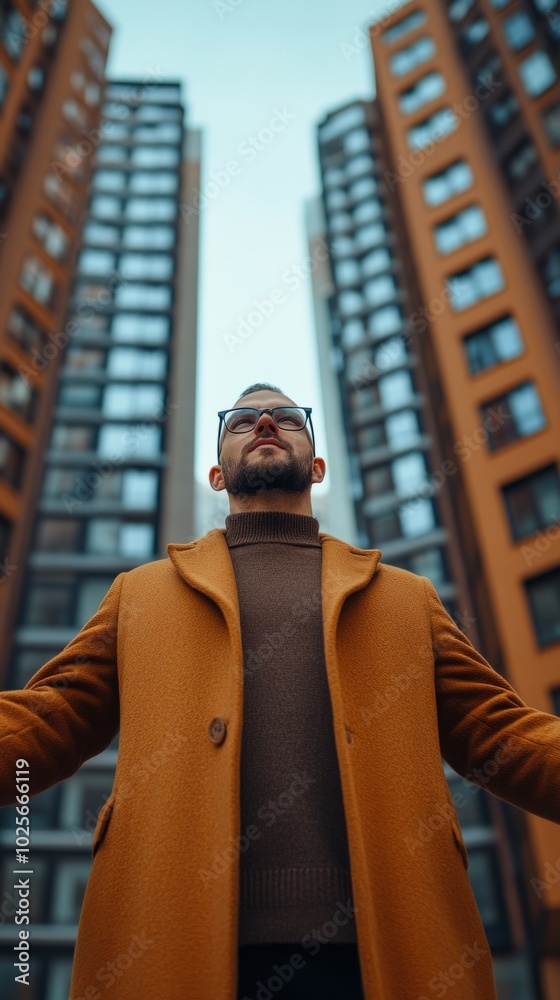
pixel 205 564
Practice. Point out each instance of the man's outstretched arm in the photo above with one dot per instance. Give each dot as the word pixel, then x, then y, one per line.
pixel 68 711
pixel 487 733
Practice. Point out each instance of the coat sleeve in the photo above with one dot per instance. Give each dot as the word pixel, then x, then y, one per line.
pixel 68 711
pixel 486 731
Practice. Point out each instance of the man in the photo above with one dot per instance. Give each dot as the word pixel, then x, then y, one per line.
pixel 284 701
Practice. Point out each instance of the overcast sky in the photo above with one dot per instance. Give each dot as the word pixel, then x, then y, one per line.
pixel 249 66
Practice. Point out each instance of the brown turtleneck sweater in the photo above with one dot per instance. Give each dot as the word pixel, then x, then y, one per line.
pixel 295 871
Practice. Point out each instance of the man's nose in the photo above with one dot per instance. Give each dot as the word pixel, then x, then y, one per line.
pixel 265 423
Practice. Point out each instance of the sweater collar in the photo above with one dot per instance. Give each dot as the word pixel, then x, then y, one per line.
pixel 252 526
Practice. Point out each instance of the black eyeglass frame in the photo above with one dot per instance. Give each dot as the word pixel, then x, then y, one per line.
pixel 306 409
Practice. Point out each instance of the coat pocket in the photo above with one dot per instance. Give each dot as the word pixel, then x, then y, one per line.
pixel 102 824
pixel 459 840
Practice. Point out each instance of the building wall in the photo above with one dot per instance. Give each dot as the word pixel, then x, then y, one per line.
pixel 52 61
pixel 119 420
pixel 475 275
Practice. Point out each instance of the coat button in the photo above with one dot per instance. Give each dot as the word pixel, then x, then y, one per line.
pixel 217 730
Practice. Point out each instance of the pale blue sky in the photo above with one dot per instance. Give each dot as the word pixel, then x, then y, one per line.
pixel 244 63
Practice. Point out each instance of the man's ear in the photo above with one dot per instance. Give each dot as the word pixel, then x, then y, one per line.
pixel 319 469
pixel 216 478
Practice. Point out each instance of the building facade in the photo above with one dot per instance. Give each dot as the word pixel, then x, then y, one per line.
pixel 52 65
pixel 443 330
pixel 118 482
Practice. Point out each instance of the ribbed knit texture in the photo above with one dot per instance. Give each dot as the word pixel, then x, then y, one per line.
pixel 295 869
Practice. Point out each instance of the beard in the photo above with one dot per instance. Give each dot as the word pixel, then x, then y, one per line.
pixel 292 476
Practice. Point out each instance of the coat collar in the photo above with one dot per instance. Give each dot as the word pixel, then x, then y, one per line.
pixel 206 565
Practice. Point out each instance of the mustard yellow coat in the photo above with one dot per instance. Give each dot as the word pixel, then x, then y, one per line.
pixel 162 659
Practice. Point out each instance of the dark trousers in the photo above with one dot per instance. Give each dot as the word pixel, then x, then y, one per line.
pixel 324 972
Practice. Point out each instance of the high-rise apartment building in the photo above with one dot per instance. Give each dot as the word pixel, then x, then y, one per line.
pixel 443 317
pixel 118 484
pixel 52 64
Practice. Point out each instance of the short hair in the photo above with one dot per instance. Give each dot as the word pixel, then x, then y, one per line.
pixel 261 385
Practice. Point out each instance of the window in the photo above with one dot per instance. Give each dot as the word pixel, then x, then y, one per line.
pixel 154 183
pixel 74 113
pixel 52 237
pixel 367 211
pixel 402 429
pixel 550 271
pixel 105 536
pixel 130 401
pixel 376 261
pixel 455 179
pixel 533 502
pixel 155 156
pixel 105 206
pixel 433 129
pixel 493 344
pixel 120 441
pixel 96 262
pixel 409 473
pixel 385 321
pixel 370 236
pixel 521 161
pixel 489 70
pixel 109 180
pixel 73 437
pixel 396 389
pixel 519 30
pixel 64 601
pixel 25 330
pixel 13 32
pixel 543 593
pixel 37 281
pixel 12 461
pixel 350 302
pixel 96 232
pixel 356 141
pixel 362 188
pixel 403 27
pixel 336 199
pixel 478 282
pixel 551 121
pixel 130 327
pixel 4 86
pixel 464 227
pixel 537 73
pixel 405 60
pixel 80 394
pixel 143 297
pixel 112 154
pixel 379 290
pixel 515 415
pixel 16 393
pixel 61 195
pixel 147 209
pixel 473 34
pixel 427 89
pixel 359 165
pixel 347 272
pixel 458 9
pixel 340 122
pixel 155 265
pixel 131 362
pixel 159 133
pixel 501 112
pixel 83 359
pixel 149 237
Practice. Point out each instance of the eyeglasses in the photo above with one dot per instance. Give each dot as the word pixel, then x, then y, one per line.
pixel 245 418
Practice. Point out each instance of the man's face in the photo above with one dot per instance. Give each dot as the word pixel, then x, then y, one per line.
pixel 266 457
